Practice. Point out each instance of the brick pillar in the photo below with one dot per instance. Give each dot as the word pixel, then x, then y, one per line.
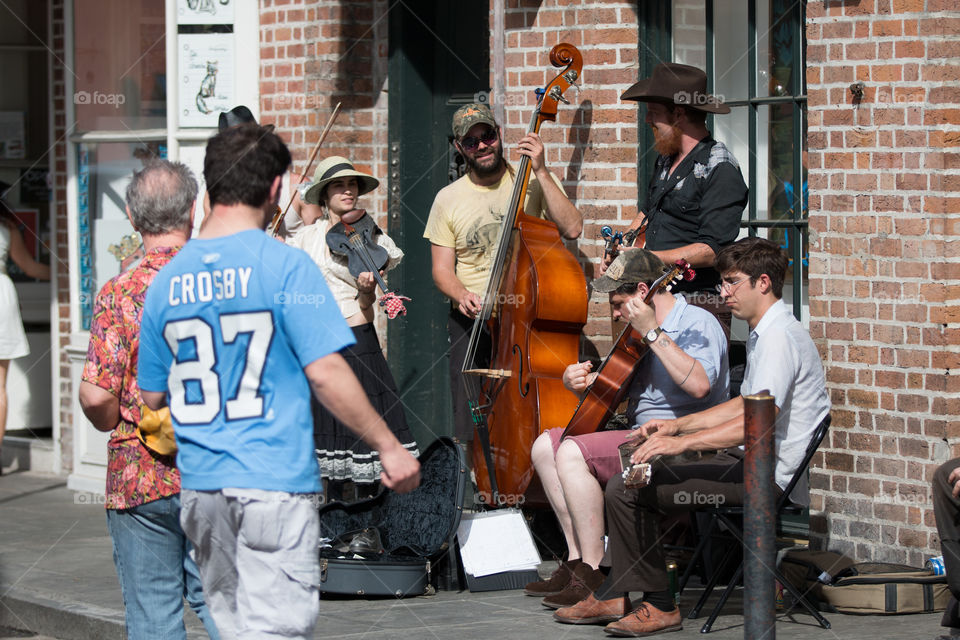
pixel 884 273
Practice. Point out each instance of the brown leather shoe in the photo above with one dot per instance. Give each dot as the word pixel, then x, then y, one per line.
pixel 645 620
pixel 593 611
pixel 555 583
pixel 584 581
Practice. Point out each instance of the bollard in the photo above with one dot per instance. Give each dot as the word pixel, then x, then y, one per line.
pixel 759 520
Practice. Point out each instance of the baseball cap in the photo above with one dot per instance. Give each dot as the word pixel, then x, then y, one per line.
pixel 632 266
pixel 469 115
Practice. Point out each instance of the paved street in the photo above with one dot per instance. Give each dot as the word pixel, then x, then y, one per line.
pixel 57 578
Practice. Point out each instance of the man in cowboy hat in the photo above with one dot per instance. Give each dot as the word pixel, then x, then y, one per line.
pixel 463 228
pixel 696 195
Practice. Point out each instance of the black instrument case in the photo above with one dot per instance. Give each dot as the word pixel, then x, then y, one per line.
pixel 415 529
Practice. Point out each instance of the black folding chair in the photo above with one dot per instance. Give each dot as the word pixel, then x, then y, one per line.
pixel 731 518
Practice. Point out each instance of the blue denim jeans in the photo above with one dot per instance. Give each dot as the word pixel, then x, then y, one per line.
pixel 152 556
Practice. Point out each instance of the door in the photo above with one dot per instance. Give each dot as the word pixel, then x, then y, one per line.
pixel 439 60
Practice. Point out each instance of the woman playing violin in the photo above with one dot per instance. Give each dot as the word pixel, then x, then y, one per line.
pixel 336 188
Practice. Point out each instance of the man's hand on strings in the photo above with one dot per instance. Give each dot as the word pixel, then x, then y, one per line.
pixel 577 377
pixel 531 146
pixel 470 304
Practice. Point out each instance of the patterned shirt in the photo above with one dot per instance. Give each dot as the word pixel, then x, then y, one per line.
pixel 135 475
pixel 702 201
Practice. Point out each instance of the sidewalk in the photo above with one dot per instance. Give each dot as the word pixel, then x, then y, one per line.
pixel 57 579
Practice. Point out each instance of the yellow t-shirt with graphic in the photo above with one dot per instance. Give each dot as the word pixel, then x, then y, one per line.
pixel 467 217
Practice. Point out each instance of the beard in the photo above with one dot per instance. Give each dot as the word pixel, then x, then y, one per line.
pixel 484 171
pixel 667 144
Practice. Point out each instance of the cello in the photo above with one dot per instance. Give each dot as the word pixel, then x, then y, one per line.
pixel 535 306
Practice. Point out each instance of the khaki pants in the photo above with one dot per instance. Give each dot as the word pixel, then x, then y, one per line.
pixel 258 560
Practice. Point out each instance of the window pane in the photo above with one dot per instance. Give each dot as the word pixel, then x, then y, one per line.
pixel 105 236
pixel 690 33
pixel 730 62
pixel 777 32
pixel 120 65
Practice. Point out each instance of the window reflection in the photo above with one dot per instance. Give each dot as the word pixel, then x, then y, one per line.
pixel 107 241
pixel 119 65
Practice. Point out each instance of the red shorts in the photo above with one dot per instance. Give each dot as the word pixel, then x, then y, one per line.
pixel 600 450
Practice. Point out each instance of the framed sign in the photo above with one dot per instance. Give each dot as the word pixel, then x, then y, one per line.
pixel 206 74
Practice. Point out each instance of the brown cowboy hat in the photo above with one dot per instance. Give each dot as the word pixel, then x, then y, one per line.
pixel 678 84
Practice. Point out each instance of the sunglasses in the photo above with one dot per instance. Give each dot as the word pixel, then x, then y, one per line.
pixel 470 143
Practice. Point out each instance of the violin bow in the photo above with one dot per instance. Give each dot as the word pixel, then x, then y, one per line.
pixel 274 227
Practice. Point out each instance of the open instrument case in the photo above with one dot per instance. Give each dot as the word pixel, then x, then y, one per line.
pixel 415 529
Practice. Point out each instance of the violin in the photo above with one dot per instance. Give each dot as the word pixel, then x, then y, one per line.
pixel 354 238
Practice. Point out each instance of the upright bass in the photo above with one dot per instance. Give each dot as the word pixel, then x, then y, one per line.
pixel 535 306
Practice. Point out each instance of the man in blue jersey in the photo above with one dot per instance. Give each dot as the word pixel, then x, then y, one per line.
pixel 237 331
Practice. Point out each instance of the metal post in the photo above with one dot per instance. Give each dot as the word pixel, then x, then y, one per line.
pixel 759 522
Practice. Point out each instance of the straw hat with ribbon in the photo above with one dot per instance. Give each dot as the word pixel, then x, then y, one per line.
pixel 333 168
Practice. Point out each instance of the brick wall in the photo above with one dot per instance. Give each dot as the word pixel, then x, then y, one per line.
pixel 884 267
pixel 314 54
pixel 592 147
pixel 60 256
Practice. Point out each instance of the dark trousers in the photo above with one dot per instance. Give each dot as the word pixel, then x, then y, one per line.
pixel 459 327
pixel 634 551
pixel 946 508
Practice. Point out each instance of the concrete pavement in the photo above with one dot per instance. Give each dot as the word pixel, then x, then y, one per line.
pixel 57 579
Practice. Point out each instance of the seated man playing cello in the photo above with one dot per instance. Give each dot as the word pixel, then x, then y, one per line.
pixel 686 372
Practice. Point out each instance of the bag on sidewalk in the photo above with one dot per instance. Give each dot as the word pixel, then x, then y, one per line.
pixel 836 583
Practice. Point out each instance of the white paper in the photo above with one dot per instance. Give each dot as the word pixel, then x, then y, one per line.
pixel 496 541
pixel 206 74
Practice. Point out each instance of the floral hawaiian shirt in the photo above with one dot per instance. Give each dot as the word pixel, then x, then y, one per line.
pixel 135 475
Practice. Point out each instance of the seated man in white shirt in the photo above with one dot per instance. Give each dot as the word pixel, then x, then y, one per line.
pixel 782 358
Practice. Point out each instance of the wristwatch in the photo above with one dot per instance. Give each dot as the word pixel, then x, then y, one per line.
pixel 652 335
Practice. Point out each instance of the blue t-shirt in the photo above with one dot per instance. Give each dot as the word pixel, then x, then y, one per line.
pixel 228 327
pixel 698 333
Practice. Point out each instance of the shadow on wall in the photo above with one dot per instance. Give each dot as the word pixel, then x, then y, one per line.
pixel 356 71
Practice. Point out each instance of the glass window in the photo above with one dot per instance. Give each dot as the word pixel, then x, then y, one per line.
pixel 765 87
pixel 120 80
pixel 107 242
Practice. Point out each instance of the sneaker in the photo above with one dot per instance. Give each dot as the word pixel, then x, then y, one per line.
pixel 583 581
pixel 593 611
pixel 646 620
pixel 555 583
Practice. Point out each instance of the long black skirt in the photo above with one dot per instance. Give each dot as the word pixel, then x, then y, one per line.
pixel 341 453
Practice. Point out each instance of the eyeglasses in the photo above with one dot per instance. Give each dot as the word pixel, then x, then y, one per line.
pixel 470 143
pixel 730 287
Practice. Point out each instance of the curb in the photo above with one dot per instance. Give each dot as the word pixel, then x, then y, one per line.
pixel 43 614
